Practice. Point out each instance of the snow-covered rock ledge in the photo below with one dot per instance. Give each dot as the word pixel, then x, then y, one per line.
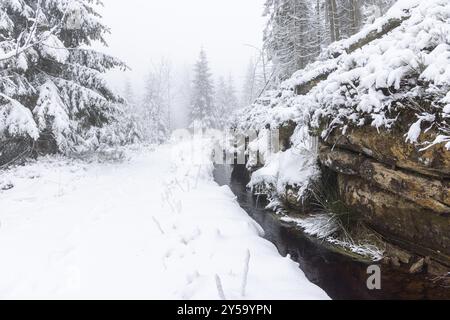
pixel 378 103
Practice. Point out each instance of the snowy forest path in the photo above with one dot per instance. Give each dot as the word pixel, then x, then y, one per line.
pixel 149 228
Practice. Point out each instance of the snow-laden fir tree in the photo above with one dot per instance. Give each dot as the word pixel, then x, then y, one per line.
pixel 51 84
pixel 130 125
pixel 155 105
pixel 233 101
pixel 221 102
pixel 253 83
pixel 225 101
pixel 202 111
pixel 288 37
pixel 298 30
pixel 128 93
pixel 183 96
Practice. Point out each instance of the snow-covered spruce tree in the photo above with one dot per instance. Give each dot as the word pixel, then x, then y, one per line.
pixel 202 111
pixel 233 101
pixel 404 89
pixel 373 9
pixel 221 102
pixel 129 126
pixel 287 37
pixel 297 30
pixel 253 83
pixel 155 106
pixel 51 86
pixel 128 93
pixel 225 101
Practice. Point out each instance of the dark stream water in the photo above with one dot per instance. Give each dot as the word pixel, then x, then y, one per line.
pixel 340 276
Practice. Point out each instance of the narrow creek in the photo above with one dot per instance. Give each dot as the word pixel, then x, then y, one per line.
pixel 340 276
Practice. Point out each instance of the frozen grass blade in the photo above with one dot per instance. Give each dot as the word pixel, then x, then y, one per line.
pixel 246 270
pixel 220 288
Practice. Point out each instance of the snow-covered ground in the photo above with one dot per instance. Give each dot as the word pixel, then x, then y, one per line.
pixel 153 227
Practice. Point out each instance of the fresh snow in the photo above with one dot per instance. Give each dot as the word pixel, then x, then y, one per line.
pixel 15 119
pixel 407 68
pixel 153 227
pixel 49 104
pixel 323 226
pixel 295 167
pixel 52 84
pixel 53 48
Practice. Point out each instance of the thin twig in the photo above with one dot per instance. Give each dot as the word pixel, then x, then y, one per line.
pixel 246 270
pixel 220 288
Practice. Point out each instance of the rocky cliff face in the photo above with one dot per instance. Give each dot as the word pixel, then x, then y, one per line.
pixel 390 148
pixel 400 192
pixel 379 102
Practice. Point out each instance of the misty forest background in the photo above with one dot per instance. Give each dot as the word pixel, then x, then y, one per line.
pixel 54 96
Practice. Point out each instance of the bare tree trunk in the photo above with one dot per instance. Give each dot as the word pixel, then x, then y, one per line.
pixel 356 15
pixel 337 26
pixel 332 16
pixel 318 28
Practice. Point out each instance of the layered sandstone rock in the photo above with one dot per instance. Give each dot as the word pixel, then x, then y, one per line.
pixel 401 191
pixel 390 147
pixel 427 192
pixel 399 220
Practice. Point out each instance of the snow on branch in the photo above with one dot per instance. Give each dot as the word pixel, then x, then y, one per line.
pixel 51 83
pixel 405 70
pixel 16 119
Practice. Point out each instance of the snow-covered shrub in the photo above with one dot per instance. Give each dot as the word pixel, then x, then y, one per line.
pixel 295 167
pixel 331 220
pixel 50 82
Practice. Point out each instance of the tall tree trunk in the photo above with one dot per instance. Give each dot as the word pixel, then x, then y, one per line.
pixel 356 15
pixel 318 28
pixel 332 15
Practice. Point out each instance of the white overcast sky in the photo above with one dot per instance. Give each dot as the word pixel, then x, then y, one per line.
pixel 145 30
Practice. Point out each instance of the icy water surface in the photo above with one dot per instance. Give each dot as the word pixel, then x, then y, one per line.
pixel 340 276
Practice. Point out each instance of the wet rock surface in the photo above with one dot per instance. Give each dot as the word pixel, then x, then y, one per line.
pixel 427 192
pixel 399 220
pixel 339 275
pixel 391 149
pixel 400 191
